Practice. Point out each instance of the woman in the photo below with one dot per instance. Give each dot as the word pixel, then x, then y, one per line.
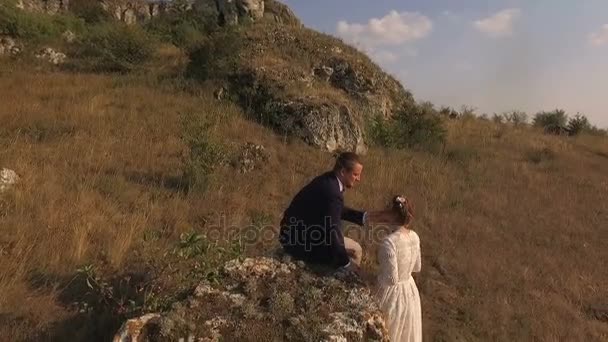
pixel 399 256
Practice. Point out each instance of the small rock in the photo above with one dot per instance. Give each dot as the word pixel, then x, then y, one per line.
pixel 8 46
pixel 51 56
pixel 219 93
pixel 323 72
pixel 133 329
pixel 8 178
pixel 250 157
pixel 68 36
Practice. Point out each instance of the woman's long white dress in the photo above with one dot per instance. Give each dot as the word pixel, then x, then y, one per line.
pixel 399 256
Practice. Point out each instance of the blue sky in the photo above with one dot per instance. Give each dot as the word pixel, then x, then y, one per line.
pixel 494 55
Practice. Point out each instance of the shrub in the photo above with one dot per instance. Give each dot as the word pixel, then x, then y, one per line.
pixel 114 48
pixel 550 120
pixel 414 126
pixel 579 123
pixel 449 112
pixel 517 118
pixel 184 29
pixel 204 153
pixel 218 56
pixel 90 11
pixel 597 131
pixel 35 27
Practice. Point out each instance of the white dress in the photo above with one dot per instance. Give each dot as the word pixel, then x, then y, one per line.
pixel 399 256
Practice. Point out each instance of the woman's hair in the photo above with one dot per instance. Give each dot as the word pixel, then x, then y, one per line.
pixel 347 161
pixel 402 206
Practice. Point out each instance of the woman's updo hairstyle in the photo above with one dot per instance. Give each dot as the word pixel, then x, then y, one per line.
pixel 403 208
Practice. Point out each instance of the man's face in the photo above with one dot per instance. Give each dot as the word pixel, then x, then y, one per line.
pixel 349 178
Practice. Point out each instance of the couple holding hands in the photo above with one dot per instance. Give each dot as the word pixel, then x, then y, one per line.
pixel 311 231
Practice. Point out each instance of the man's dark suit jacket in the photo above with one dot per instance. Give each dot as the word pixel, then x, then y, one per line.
pixel 311 225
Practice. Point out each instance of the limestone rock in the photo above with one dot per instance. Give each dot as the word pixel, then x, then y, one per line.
pixel 50 55
pixel 289 302
pixel 280 13
pixel 320 123
pixel 8 46
pixel 135 329
pixel 233 12
pixel 46 6
pixel 130 11
pixel 8 178
pixel 68 36
pixel 251 156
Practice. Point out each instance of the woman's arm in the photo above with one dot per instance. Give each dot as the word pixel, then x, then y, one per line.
pixel 387 259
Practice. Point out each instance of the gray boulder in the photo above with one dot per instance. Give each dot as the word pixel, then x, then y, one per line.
pixel 324 124
pixel 267 299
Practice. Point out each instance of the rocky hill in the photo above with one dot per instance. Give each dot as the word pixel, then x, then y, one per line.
pixel 301 82
pixel 296 80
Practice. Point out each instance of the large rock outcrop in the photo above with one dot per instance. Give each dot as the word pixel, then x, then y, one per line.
pixel 47 6
pixel 302 83
pixel 267 299
pixel 234 11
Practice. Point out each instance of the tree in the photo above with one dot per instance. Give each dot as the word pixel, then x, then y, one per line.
pixel 579 123
pixel 554 121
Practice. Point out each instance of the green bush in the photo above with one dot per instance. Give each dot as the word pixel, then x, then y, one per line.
pixel 550 120
pixel 90 11
pixel 218 56
pixel 579 123
pixel 204 153
pixel 114 48
pixel 414 126
pixel 185 29
pixel 36 27
pixel 517 118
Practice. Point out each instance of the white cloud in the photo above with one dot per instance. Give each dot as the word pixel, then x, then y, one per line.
pixel 392 30
pixel 599 38
pixel 499 24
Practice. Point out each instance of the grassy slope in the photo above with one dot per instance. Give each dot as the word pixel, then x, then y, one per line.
pixel 515 220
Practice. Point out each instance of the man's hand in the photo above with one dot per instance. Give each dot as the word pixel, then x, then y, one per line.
pixel 380 217
pixel 352 267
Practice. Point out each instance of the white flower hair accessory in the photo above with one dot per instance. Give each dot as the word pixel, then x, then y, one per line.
pixel 399 200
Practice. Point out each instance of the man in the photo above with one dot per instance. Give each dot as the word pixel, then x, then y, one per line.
pixel 311 225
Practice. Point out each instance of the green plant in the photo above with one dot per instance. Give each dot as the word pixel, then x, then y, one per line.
pixel 414 126
pixel 418 127
pixel 579 123
pixel 218 56
pixel 114 48
pixel 551 121
pixel 204 153
pixel 36 27
pixel 517 118
pixel 191 245
pixel 91 11
pixel 100 291
pixel 184 29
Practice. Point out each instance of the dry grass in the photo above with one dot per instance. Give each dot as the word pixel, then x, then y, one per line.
pixel 512 222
